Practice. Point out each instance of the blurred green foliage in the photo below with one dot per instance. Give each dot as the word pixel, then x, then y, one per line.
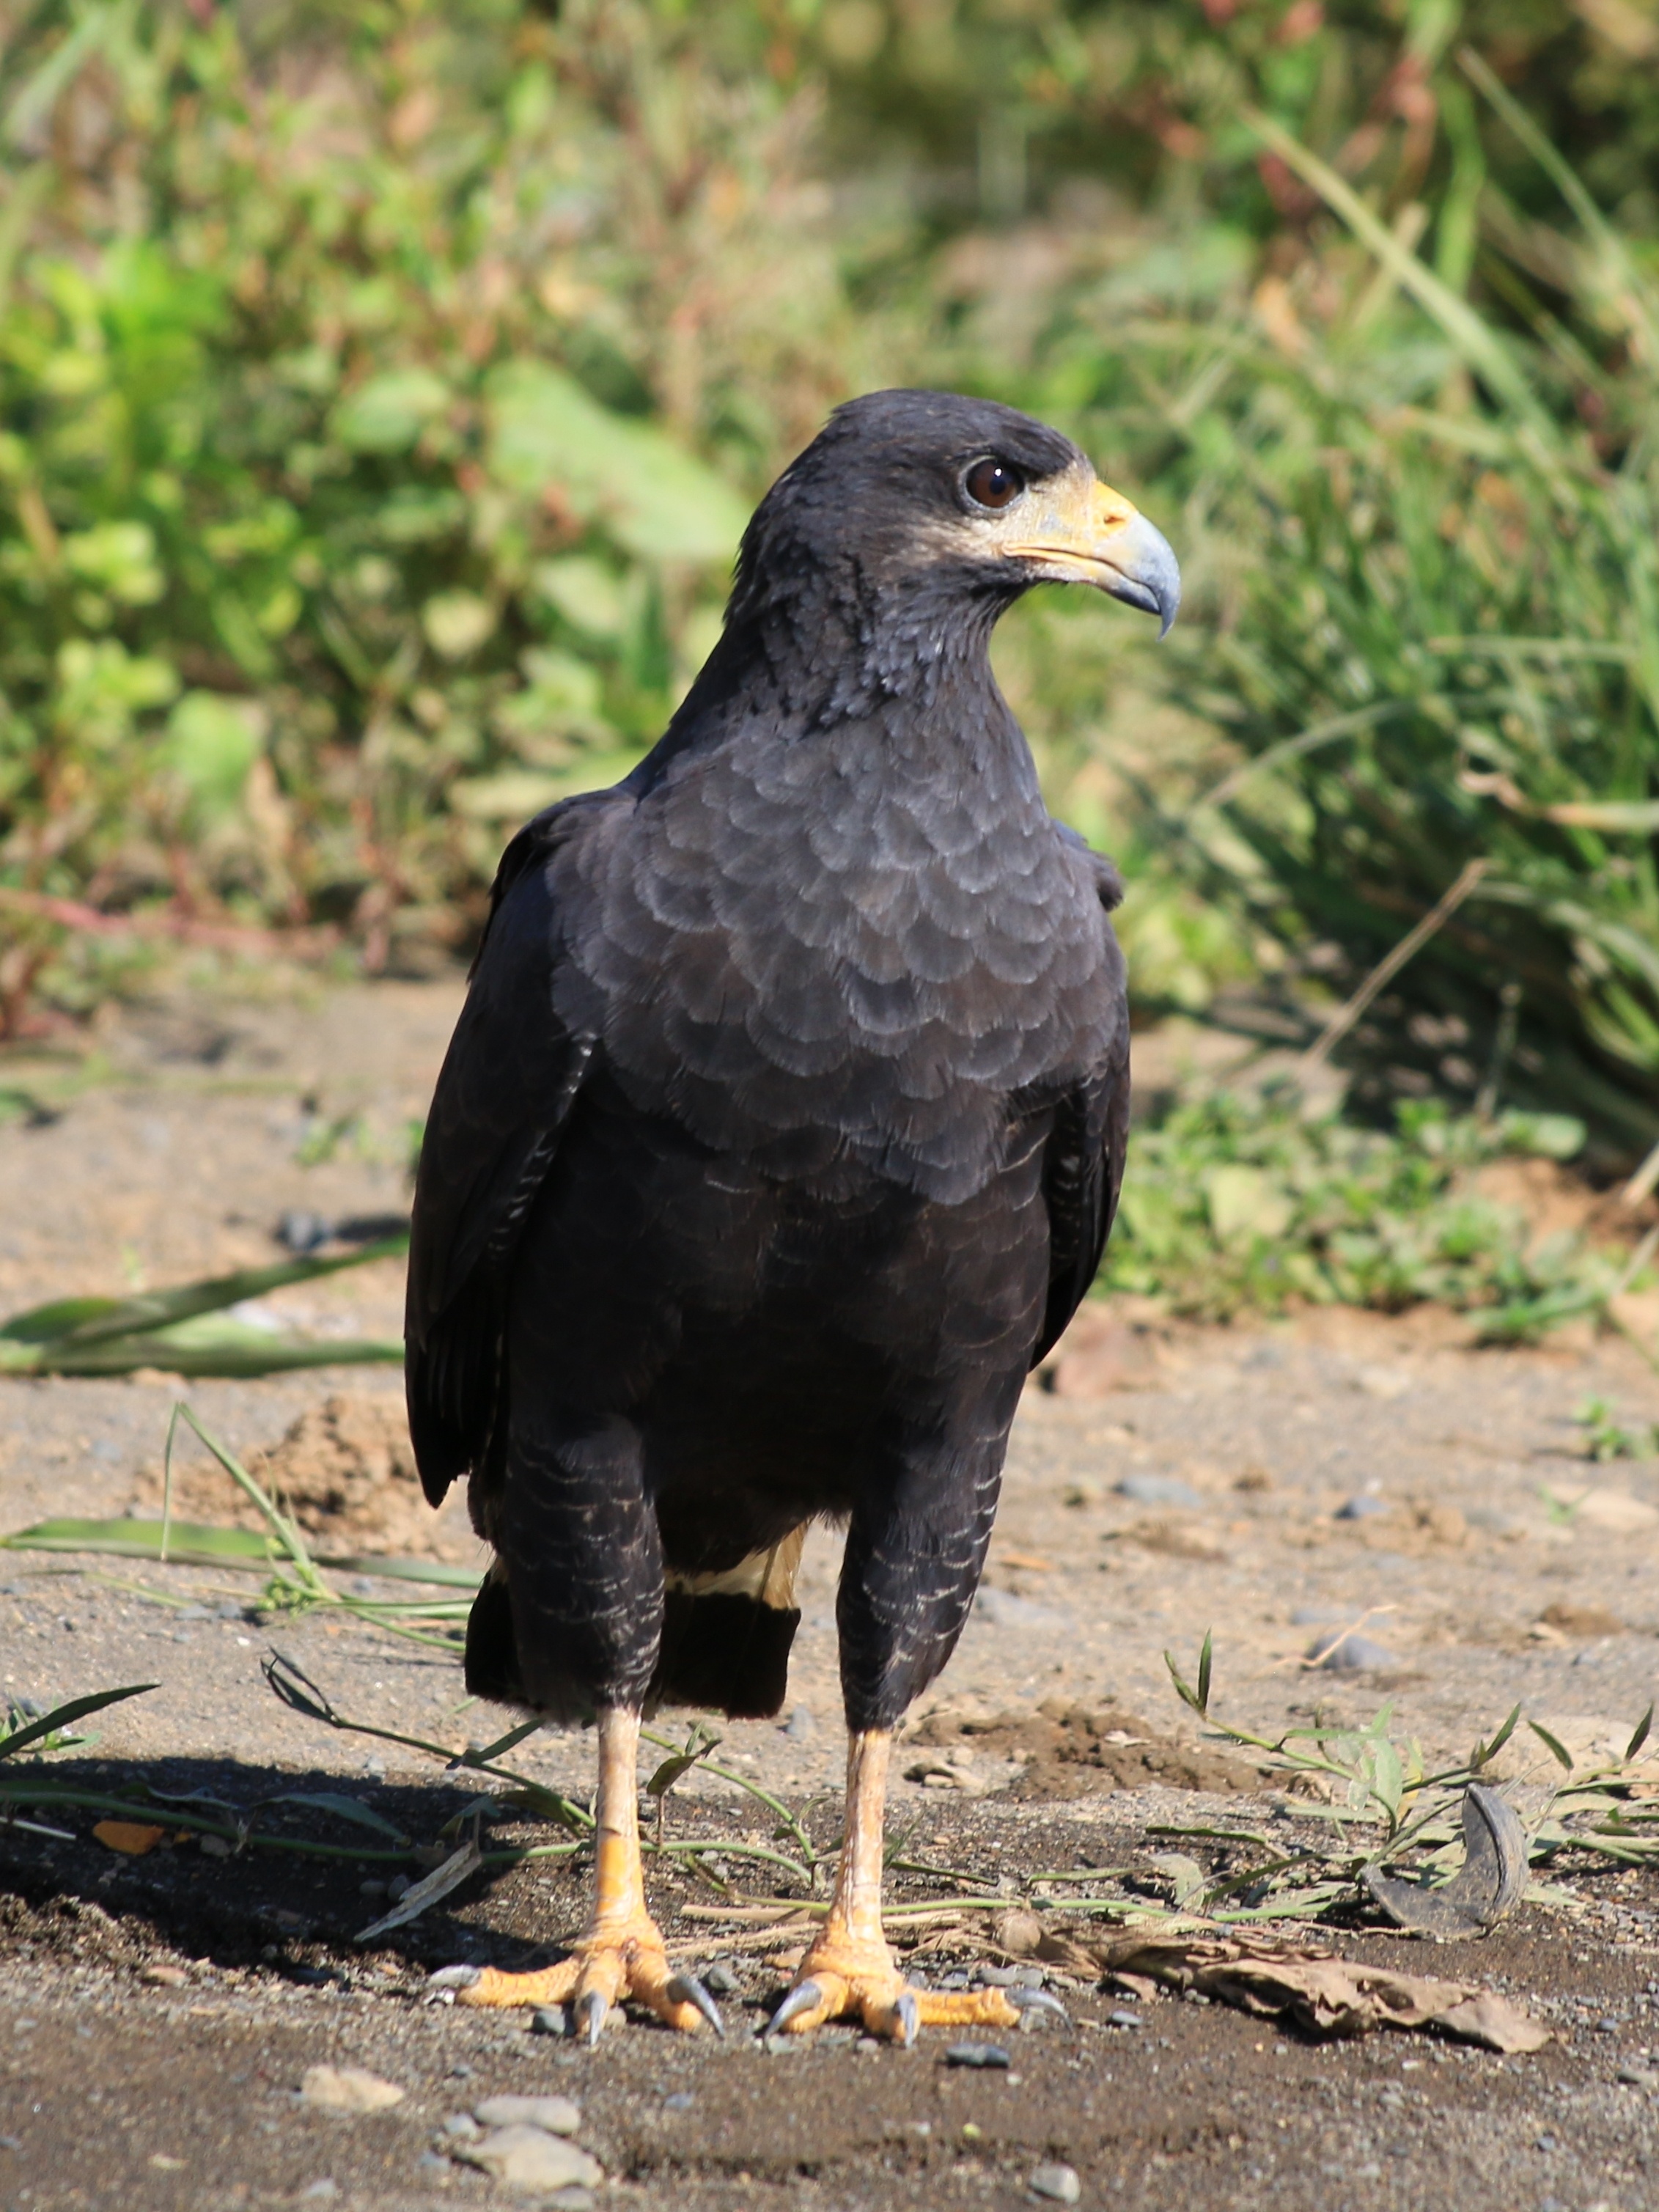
pixel 382 388
pixel 1250 1202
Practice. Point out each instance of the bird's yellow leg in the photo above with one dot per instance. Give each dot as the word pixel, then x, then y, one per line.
pixel 849 1972
pixel 620 1954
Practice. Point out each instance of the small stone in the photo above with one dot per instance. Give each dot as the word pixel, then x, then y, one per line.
pixel 1158 1490
pixel 348 2089
pixel 463 2127
pixel 1638 2077
pixel 398 1887
pixel 548 2020
pixel 165 1978
pixel 320 2193
pixel 216 1847
pixel 998 1978
pixel 554 2116
pixel 1365 1507
pixel 529 2158
pixel 1059 2183
pixel 865 2047
pixel 799 1726
pixel 681 2101
pixel 1123 2018
pixel 990 2055
pixel 719 1981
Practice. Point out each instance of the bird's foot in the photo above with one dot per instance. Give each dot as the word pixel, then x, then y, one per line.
pixel 844 1976
pixel 613 1960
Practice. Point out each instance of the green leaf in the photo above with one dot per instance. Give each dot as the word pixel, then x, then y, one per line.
pixel 190 1543
pixel 654 499
pixel 456 623
pixel 1551 1136
pixel 75 1710
pixel 1484 1753
pixel 389 412
pixel 1557 1749
pixel 1203 1663
pixel 1641 1735
pixel 343 1808
pixel 157 1309
pixel 1244 1201
pixel 211 742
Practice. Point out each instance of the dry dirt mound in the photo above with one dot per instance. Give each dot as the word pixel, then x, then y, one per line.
pixel 1072 1750
pixel 345 1471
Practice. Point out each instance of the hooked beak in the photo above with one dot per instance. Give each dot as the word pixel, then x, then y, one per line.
pixel 1086 533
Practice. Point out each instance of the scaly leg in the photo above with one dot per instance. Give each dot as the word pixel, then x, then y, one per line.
pixel 621 1953
pixel 849 1972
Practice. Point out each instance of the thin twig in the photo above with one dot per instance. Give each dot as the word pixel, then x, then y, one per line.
pixel 1385 969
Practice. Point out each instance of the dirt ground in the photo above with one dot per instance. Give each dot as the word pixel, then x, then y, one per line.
pixel 160 2011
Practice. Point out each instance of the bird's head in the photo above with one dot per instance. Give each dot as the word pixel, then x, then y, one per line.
pixel 912 504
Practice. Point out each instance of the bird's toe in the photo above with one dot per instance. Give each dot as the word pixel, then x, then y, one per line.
pixel 488 1985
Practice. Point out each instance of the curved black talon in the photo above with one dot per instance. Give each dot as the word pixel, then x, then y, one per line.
pixel 686 1988
pixel 908 2016
pixel 589 2016
pixel 802 1998
pixel 1025 2000
pixel 451 1977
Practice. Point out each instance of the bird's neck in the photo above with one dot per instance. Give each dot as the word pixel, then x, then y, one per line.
pixel 831 650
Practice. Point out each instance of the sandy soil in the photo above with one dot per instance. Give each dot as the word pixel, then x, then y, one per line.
pixel 1493 1563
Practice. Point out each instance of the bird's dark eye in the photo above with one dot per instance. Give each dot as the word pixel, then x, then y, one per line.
pixel 993 483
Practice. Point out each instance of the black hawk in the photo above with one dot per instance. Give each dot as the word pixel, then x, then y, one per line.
pixel 779 1138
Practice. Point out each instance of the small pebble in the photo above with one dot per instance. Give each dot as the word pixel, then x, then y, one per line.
pixel 1123 2018
pixel 720 1981
pixel 548 2020
pixel 371 1889
pixel 1365 1507
pixel 165 1978
pixel 978 2054
pixel 398 1887
pixel 217 1847
pixel 463 2125
pixel 1638 2077
pixel 1158 1490
pixel 1059 2183
pixel 681 2101
pixel 866 2045
pixel 528 2158
pixel 320 2193
pixel 799 1726
pixel 554 2116
pixel 348 2089
pixel 999 1977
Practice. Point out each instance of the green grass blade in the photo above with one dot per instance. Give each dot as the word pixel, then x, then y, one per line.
pixel 75 1710
pixel 75 1324
pixel 191 1543
pixel 1478 344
